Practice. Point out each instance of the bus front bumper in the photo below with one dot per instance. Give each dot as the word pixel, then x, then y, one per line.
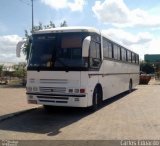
pixel 79 100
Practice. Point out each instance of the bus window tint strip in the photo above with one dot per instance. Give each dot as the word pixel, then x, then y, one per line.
pixel 116 50
pixel 113 50
pixel 129 57
pixel 123 54
pixel 107 48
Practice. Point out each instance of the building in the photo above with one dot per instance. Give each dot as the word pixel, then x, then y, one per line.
pixel 152 58
pixel 8 66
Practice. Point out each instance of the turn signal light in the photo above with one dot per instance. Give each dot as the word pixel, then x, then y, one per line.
pixel 82 90
pixel 76 90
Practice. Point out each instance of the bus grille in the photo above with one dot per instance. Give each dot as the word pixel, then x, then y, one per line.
pixel 53 99
pixel 53 81
pixel 52 89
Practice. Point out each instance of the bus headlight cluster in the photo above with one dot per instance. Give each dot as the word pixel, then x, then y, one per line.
pixel 35 89
pixel 30 89
pixel 81 90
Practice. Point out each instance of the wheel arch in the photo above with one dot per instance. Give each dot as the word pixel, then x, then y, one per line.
pixel 131 81
pixel 130 85
pixel 99 87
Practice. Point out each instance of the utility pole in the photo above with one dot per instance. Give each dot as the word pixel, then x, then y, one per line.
pixel 32 16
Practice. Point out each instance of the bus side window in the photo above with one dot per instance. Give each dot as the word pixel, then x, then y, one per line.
pixel 133 58
pixel 116 51
pixel 107 49
pixel 123 54
pixel 129 57
pixel 95 55
pixel 137 59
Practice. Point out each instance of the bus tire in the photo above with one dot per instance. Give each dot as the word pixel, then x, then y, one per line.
pixel 130 86
pixel 97 99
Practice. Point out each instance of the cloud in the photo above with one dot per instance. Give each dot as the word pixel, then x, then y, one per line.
pixel 8 48
pixel 117 13
pixel 147 48
pixel 128 38
pixel 77 5
pixel 141 43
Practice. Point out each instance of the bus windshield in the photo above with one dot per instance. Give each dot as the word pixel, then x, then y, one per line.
pixel 57 51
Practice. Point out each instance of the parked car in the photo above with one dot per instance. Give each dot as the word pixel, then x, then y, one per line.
pixel 3 80
pixel 144 78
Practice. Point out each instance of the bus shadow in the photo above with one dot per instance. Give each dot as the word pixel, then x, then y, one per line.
pixel 50 123
pixel 115 98
pixel 41 122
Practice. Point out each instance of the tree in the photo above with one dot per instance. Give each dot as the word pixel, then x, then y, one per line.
pixel 51 25
pixel 40 26
pixel 20 70
pixel 146 67
pixel 63 24
pixel 1 69
pixel 27 45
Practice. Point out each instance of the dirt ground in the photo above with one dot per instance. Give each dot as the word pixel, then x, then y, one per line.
pixel 128 116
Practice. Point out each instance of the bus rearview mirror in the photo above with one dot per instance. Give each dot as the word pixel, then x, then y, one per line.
pixel 85 46
pixel 19 46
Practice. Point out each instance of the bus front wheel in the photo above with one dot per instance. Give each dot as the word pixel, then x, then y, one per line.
pixel 97 99
pixel 130 86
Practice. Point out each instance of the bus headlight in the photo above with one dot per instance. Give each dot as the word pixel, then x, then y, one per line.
pixel 76 90
pixel 70 90
pixel 35 89
pixel 29 89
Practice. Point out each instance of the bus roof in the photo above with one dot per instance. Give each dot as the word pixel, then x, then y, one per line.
pixel 77 29
pixel 68 29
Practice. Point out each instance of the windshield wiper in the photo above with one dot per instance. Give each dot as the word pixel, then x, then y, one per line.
pixel 38 68
pixel 61 62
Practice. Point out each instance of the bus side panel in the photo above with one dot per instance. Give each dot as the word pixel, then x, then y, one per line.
pixel 117 76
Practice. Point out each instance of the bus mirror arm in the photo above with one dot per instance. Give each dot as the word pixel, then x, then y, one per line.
pixel 85 46
pixel 19 46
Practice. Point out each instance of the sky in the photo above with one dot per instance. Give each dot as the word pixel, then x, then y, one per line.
pixel 132 23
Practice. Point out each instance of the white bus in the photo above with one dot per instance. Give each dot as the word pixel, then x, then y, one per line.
pixel 78 67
